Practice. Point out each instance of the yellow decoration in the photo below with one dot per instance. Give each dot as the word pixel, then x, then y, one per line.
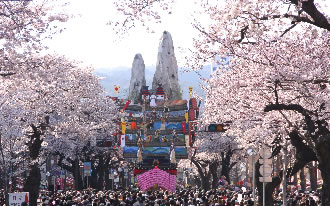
pixel 123 127
pixel 190 91
pixel 186 116
pixel 149 138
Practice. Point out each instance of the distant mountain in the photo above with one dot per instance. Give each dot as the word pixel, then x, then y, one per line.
pixel 121 76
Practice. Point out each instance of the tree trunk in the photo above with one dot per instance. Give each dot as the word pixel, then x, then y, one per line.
pixel 313 176
pixel 215 178
pixel 226 164
pixel 107 183
pixel 76 174
pixel 302 179
pixel 32 184
pixel 92 180
pixel 236 177
pixel 225 172
pixel 198 181
pixel 205 182
pixel 295 180
pixel 100 171
pixel 323 152
pixel 74 169
pixel 269 188
pixel 204 175
pixel 278 164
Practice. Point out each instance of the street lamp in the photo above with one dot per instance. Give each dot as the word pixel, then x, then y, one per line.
pixel 251 153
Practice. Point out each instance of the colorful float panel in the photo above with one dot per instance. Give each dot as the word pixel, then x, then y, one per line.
pixel 180 152
pixel 154 138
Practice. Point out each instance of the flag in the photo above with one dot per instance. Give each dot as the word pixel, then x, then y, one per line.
pixel 187 140
pixel 116 88
pixel 133 125
pixel 122 140
pixel 183 124
pixel 190 91
pixel 59 183
pixel 69 181
pixel 26 198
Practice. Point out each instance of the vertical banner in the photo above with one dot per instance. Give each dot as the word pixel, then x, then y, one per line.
pixel 183 125
pixel 187 140
pixel 190 92
pixel 186 116
pixel 87 168
pixel 123 127
pixel 133 125
pixel 122 140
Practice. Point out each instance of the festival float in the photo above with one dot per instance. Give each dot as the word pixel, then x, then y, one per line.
pixel 155 134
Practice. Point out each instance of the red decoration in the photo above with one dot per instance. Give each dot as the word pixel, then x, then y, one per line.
pixel 183 127
pixel 138 171
pixel 173 172
pixel 191 114
pixel 126 105
pixel 26 198
pixel 133 125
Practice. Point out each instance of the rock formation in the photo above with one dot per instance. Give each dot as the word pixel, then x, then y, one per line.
pixel 166 73
pixel 137 78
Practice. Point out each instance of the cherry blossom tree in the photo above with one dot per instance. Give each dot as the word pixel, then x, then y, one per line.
pixel 60 107
pixel 212 150
pixel 24 24
pixel 48 104
pixel 276 86
pixel 139 13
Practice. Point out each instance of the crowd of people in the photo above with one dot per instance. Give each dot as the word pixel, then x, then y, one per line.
pixel 185 197
pixel 138 198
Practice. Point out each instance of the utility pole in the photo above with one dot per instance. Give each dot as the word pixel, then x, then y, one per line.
pixel 265 170
pixel 5 169
pixel 252 154
pixel 285 167
pixel 144 117
pixel 263 177
pixel 253 178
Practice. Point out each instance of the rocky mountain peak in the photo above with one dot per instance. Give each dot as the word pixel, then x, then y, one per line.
pixel 137 78
pixel 166 73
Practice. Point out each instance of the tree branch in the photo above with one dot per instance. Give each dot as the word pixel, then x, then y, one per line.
pixel 319 19
pixel 243 32
pixel 294 107
pixel 7 74
pixel 288 29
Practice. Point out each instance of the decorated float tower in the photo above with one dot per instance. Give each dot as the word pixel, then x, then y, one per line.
pixel 157 133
